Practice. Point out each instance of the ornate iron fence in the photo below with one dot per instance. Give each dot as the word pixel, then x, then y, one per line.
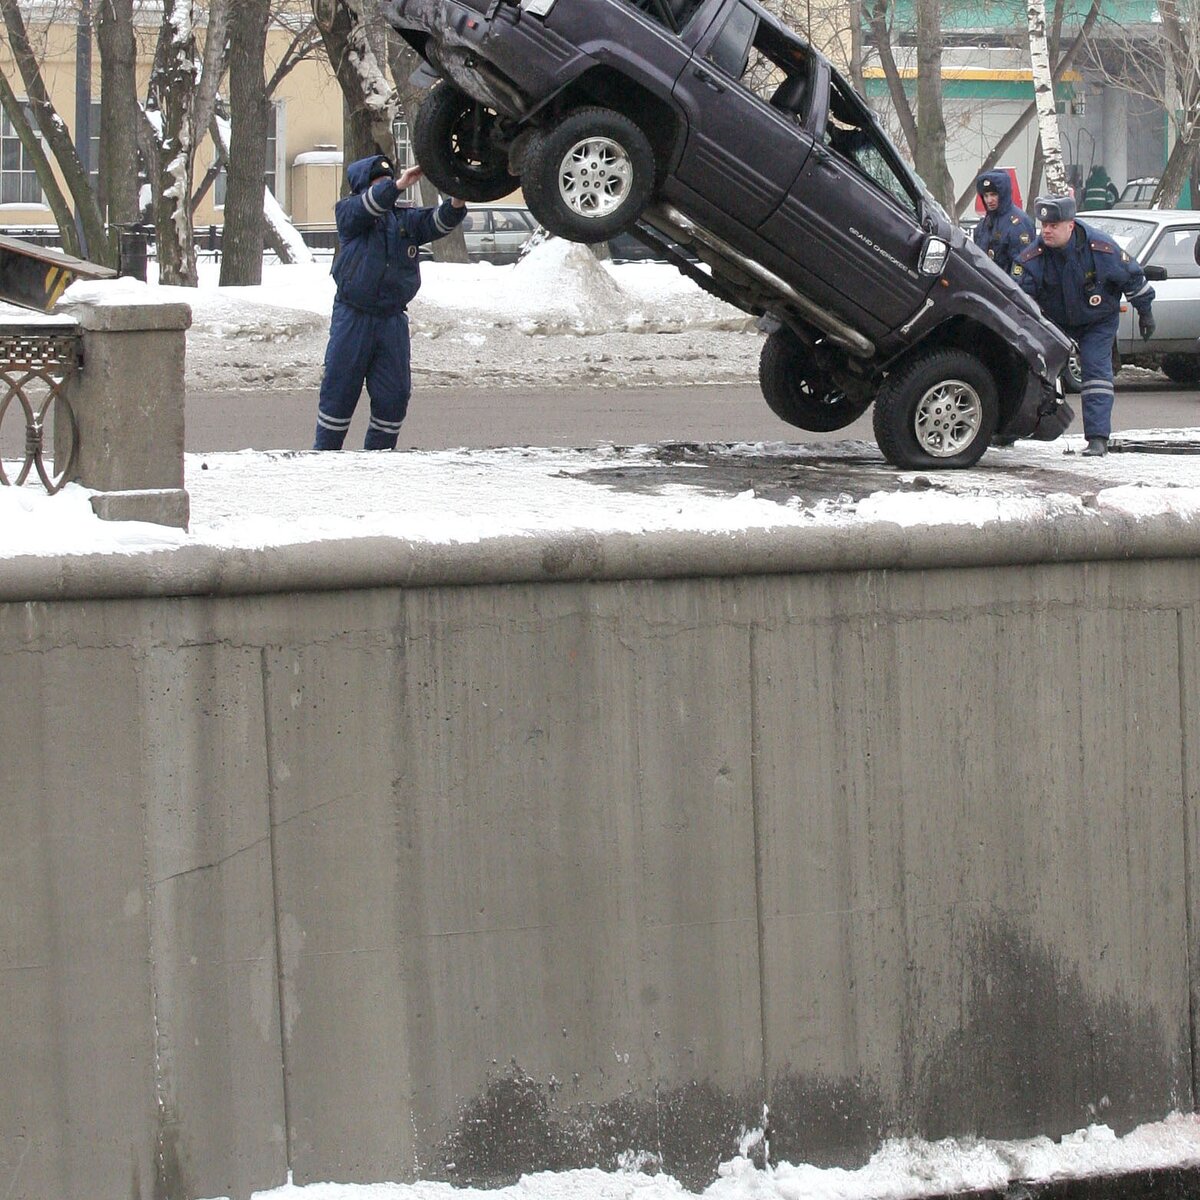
pixel 35 363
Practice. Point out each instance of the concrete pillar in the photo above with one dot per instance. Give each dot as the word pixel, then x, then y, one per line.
pixel 128 404
pixel 1115 141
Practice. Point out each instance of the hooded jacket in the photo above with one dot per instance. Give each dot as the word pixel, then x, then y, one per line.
pixel 376 268
pixel 1002 234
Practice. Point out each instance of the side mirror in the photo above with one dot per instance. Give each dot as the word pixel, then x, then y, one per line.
pixel 933 256
pixel 1155 274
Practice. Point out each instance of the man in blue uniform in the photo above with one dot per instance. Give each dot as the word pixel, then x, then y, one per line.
pixel 1077 276
pixel 1004 230
pixel 377 274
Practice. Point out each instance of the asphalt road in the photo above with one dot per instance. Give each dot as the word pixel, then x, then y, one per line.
pixel 444 418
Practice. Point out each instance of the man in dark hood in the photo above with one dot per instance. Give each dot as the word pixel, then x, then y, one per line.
pixel 1004 230
pixel 377 273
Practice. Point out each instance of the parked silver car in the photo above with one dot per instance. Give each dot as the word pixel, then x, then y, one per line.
pixel 1160 238
pixel 495 233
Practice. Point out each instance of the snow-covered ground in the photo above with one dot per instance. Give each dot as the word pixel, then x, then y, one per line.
pixel 560 318
pixel 902 1169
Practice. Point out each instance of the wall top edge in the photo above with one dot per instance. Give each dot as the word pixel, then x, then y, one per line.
pixel 380 562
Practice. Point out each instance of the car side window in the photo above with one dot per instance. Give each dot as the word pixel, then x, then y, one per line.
pixel 1176 250
pixel 474 222
pixel 508 222
pixel 731 50
pixel 855 139
pixel 765 61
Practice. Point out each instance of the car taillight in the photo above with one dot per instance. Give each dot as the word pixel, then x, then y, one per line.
pixel 933 257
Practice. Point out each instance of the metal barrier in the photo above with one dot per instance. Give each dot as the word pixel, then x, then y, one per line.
pixel 34 368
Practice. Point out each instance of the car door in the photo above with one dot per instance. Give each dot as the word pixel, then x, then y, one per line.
pixel 1176 298
pixel 852 220
pixel 511 229
pixel 741 152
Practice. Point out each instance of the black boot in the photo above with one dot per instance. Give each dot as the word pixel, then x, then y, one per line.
pixel 1097 447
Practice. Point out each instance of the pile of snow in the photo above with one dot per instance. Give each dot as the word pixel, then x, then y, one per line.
pixel 902 1169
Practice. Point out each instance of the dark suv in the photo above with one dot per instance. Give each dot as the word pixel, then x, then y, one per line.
pixel 709 124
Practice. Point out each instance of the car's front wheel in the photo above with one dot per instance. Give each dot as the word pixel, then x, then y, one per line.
pixel 797 392
pixel 1072 376
pixel 588 178
pixel 1181 368
pixel 937 410
pixel 455 139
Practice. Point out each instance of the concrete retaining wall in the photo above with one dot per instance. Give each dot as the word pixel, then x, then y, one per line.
pixel 456 881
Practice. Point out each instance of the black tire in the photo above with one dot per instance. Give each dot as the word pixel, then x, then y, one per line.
pixel 454 139
pixel 939 410
pixel 1072 376
pixel 1181 368
pixel 797 392
pixel 589 177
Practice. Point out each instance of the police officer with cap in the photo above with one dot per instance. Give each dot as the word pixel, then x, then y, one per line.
pixel 1077 276
pixel 1005 230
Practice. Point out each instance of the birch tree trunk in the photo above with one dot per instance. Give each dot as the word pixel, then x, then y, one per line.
pixel 1043 93
pixel 169 144
pixel 1018 126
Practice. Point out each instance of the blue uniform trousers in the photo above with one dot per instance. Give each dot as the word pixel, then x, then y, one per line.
pixel 370 349
pixel 1096 369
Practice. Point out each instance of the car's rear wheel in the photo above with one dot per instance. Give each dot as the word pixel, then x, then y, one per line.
pixel 937 410
pixel 589 177
pixel 797 392
pixel 1181 368
pixel 454 138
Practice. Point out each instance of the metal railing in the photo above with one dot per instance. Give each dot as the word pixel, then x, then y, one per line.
pixel 35 365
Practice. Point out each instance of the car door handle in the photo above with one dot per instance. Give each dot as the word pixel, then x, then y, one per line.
pixel 824 157
pixel 706 79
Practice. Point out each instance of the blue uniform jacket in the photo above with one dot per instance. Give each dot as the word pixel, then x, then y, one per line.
pixel 1002 234
pixel 376 267
pixel 1082 283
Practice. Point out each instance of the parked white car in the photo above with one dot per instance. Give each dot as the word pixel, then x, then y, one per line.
pixel 1160 238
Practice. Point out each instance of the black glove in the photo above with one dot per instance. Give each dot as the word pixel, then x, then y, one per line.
pixel 1146 326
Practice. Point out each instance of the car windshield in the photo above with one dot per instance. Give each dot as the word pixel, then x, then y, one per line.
pixel 1130 233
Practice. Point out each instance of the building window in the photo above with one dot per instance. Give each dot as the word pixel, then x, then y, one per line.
pixel 18 178
pixel 270 165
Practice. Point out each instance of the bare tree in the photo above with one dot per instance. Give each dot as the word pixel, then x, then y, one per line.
pixel 56 136
pixel 1064 64
pixel 32 145
pixel 169 145
pixel 242 239
pixel 119 119
pixel 1043 94
pixel 369 100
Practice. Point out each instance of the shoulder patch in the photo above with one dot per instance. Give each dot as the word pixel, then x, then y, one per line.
pixel 1024 239
pixel 1124 257
pixel 1017 269
pixel 1103 247
pixel 1014 219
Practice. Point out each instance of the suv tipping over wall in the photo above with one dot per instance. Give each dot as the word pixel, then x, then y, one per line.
pixel 710 124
